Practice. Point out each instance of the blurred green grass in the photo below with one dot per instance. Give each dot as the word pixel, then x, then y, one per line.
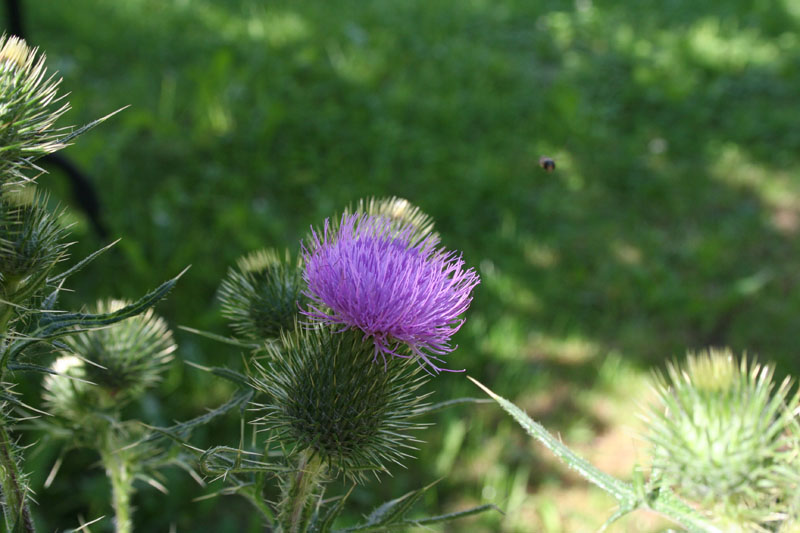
pixel 669 224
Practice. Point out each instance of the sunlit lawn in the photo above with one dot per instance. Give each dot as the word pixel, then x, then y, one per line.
pixel 669 224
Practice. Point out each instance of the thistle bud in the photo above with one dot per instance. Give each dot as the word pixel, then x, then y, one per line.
pixel 123 359
pixel 726 437
pixel 31 239
pixel 328 396
pixel 400 212
pixel 262 295
pixel 28 110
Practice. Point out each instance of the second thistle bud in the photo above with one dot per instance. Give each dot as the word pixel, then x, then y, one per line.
pixel 261 296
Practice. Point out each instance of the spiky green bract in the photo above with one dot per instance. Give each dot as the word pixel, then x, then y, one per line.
pixel 726 437
pixel 262 295
pixel 31 241
pixel 29 108
pixel 326 393
pixel 123 359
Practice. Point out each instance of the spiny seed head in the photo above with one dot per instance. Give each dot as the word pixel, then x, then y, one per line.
pixel 725 436
pixel 326 394
pixel 126 358
pixel 29 108
pixel 262 295
pixel 31 237
pixel 370 275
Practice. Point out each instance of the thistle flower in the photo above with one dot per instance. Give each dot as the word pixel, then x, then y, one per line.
pixel 724 436
pixel 262 295
pixel 124 359
pixel 370 275
pixel 323 398
pixel 29 108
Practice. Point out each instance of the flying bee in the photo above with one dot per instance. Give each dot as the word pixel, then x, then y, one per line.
pixel 547 163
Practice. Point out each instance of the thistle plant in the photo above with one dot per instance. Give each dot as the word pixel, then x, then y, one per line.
pixel 32 245
pixel 33 240
pixel 725 436
pixel 101 371
pixel 329 402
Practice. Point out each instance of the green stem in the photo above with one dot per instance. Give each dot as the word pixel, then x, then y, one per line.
pixel 16 511
pixel 121 476
pixel 295 511
pixel 6 312
pixel 13 493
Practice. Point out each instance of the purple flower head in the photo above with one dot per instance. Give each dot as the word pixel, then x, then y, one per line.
pixel 376 276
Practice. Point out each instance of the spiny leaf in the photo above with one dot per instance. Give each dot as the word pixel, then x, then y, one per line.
pixel 391 515
pixel 52 325
pixel 182 430
pixel 620 490
pixel 455 515
pixel 226 373
pixel 225 460
pixel 28 367
pixel 398 507
pixel 86 127
pixel 80 264
pixel 660 500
